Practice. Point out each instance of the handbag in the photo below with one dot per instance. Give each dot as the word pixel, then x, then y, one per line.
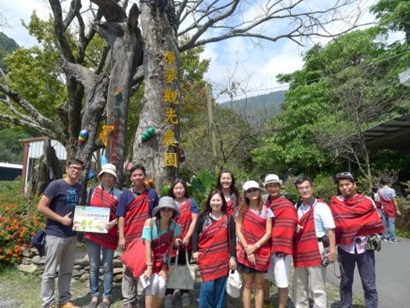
pixel 134 258
pixel 39 242
pixel 181 276
pixel 234 284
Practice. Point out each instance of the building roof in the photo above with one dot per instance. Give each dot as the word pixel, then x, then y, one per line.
pixel 393 134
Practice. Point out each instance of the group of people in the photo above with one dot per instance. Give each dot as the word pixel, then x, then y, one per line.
pixel 258 238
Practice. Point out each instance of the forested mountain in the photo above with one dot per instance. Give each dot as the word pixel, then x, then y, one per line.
pixel 7 45
pixel 257 109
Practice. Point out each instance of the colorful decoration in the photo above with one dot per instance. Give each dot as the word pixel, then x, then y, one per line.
pixel 147 134
pixel 105 130
pixel 82 136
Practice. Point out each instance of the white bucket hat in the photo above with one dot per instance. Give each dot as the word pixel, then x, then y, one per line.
pixel 272 178
pixel 108 168
pixel 166 202
pixel 250 184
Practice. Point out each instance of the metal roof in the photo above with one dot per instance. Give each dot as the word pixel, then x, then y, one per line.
pixel 393 134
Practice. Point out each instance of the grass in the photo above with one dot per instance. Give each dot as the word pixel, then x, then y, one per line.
pixel 22 290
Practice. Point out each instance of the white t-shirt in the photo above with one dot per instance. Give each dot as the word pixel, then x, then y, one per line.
pixel 322 216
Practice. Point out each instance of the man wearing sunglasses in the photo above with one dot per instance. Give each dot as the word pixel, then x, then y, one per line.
pixel 356 220
pixel 57 204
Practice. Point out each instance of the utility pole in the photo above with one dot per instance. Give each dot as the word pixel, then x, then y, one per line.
pixel 211 126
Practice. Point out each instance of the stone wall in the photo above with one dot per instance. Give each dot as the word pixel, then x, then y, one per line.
pixel 33 263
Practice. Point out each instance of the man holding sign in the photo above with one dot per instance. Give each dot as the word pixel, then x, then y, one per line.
pixel 57 204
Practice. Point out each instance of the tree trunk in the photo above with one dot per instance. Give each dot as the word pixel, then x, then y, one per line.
pixel 159 42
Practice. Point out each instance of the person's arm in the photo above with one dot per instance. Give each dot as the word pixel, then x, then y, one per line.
pixel 396 205
pixel 44 207
pixel 332 245
pixel 187 237
pixel 148 250
pixel 195 237
pixel 232 243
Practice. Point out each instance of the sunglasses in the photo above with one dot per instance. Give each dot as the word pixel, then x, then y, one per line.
pixel 252 190
pixel 344 175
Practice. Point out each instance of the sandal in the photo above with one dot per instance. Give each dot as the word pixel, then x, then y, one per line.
pixel 105 304
pixel 93 303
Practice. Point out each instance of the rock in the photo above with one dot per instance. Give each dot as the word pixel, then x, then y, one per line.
pixel 31 268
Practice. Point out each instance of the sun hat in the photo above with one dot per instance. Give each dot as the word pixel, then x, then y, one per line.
pixel 272 178
pixel 166 203
pixel 234 284
pixel 108 168
pixel 250 184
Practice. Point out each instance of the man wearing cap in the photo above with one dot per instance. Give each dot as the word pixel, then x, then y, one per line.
pixel 107 196
pixel 390 209
pixel 314 246
pixel 58 204
pixel 356 219
pixel 283 230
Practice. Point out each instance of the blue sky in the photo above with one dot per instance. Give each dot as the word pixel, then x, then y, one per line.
pixel 254 67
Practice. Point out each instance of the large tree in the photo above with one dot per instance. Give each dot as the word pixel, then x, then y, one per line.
pixel 108 80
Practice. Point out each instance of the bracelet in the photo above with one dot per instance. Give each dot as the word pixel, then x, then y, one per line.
pixel 149 264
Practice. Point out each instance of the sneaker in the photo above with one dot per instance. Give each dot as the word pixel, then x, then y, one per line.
pixel 386 240
pixel 186 301
pixel 395 241
pixel 168 301
pixel 67 305
pixel 105 304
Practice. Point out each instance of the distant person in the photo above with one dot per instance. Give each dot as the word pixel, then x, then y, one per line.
pixel 107 196
pixel 314 248
pixel 226 183
pixel 283 231
pixel 58 205
pixel 254 233
pixel 187 219
pixel 214 248
pixel 356 219
pixel 135 207
pixel 390 210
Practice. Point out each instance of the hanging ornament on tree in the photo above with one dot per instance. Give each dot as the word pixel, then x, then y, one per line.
pixel 82 137
pixel 147 134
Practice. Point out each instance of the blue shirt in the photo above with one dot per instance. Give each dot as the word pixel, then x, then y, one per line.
pixel 128 196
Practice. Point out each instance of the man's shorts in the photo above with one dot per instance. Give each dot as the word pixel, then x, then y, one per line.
pixel 279 270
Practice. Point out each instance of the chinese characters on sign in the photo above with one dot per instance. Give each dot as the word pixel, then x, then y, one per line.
pixel 170 98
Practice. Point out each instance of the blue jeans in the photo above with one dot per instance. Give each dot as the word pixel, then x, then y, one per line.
pixel 212 293
pixel 94 254
pixel 389 228
pixel 366 265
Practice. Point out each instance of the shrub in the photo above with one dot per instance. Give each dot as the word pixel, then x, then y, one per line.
pixel 19 221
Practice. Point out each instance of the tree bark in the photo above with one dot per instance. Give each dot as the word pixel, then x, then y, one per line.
pixel 159 38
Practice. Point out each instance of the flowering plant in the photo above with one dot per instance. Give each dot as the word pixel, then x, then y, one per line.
pixel 19 221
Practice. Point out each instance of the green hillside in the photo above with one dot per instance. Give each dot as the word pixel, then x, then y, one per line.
pixel 7 45
pixel 257 109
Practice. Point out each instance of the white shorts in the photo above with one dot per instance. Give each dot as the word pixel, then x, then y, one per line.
pixel 156 287
pixel 279 270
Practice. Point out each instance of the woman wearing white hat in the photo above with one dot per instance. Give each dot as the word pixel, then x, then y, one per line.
pixel 159 235
pixel 253 229
pixel 104 195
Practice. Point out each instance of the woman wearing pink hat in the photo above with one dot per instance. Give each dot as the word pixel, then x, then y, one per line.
pixel 253 229
pixel 104 195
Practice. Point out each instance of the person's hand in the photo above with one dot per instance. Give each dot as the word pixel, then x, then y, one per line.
pixel 195 256
pixel 121 243
pixel 251 259
pixel 250 249
pixel 398 213
pixel 148 272
pixel 66 220
pixel 178 242
pixel 185 241
pixel 164 274
pixel 331 255
pixel 110 225
pixel 232 263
